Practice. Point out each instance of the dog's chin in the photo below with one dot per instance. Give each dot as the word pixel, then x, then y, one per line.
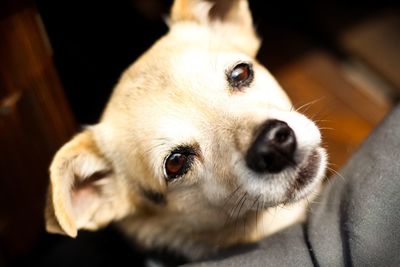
pixel 309 176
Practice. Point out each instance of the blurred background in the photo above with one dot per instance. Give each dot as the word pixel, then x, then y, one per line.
pixel 59 60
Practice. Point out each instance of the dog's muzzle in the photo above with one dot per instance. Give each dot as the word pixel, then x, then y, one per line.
pixel 273 148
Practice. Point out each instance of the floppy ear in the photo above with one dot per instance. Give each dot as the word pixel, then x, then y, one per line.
pixel 233 17
pixel 84 190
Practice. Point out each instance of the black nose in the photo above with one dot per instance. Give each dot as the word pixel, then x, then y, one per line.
pixel 273 148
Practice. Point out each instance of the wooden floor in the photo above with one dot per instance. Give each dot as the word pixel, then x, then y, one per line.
pixel 318 87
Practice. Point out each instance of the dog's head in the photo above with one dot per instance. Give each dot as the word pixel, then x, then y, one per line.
pixel 194 127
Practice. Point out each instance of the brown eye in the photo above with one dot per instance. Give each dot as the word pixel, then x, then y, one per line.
pixel 175 164
pixel 179 161
pixel 241 75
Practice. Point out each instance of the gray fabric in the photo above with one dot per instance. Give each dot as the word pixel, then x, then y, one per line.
pixel 360 212
pixel 355 222
pixel 272 251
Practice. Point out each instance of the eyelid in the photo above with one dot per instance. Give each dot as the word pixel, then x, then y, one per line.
pixel 183 150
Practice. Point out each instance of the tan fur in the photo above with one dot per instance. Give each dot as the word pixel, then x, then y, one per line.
pixel 175 94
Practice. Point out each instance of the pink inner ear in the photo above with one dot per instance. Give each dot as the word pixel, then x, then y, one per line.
pixel 85 193
pixel 82 199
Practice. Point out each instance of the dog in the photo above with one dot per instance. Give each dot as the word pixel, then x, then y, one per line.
pixel 198 148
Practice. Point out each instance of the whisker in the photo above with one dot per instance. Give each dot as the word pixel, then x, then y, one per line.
pixel 251 207
pixel 336 173
pixel 258 197
pixel 321 115
pixel 326 128
pixel 241 205
pixel 257 210
pixel 309 104
pixel 244 226
pixel 309 206
pixel 231 195
pixel 323 120
pixel 333 164
pixel 232 211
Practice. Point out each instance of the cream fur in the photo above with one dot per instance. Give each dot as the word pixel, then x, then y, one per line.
pixel 175 94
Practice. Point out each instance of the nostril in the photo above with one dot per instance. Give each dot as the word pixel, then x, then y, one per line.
pixel 284 140
pixel 282 135
pixel 273 149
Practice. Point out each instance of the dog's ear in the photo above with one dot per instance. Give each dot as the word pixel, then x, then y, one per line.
pixel 233 17
pixel 84 191
pixel 206 11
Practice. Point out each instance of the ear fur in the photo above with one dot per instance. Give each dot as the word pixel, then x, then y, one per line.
pixel 208 11
pixel 229 17
pixel 84 191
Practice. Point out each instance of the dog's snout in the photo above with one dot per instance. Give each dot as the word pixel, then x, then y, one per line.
pixel 273 148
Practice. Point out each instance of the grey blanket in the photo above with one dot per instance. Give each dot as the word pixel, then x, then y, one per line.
pixel 355 222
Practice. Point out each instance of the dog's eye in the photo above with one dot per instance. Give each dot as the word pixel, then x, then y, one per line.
pixel 241 75
pixel 177 164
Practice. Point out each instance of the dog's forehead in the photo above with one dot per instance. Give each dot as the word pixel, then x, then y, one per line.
pixel 176 71
pixel 176 81
pixel 188 91
pixel 200 69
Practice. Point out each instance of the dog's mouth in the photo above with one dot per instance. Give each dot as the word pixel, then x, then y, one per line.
pixel 308 176
pixel 292 185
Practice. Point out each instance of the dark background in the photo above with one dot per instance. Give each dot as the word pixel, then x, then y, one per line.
pixel 92 42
